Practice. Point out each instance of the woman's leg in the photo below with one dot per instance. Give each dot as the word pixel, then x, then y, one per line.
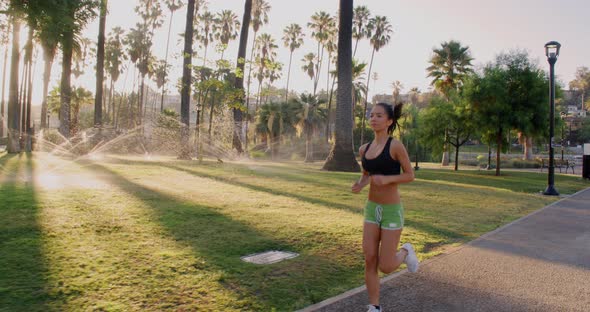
pixel 389 257
pixel 371 236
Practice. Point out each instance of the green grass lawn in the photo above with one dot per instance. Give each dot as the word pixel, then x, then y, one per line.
pixel 130 234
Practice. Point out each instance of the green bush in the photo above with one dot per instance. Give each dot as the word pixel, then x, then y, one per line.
pixel 258 154
pixel 521 163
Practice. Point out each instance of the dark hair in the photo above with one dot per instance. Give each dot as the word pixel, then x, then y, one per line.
pixel 393 113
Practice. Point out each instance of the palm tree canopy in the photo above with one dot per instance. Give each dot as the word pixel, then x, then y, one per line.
pixel 450 65
pixel 227 26
pixel 321 23
pixel 173 5
pixel 360 19
pixel 205 33
pixel 379 30
pixel 260 9
pixel 293 36
pixel 309 64
pixel 114 54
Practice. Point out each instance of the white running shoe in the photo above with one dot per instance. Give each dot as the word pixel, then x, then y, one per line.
pixel 411 259
pixel 372 308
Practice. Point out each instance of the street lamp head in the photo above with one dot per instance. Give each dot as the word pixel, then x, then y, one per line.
pixel 552 49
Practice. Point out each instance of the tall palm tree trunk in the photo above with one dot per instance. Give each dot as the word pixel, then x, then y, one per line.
pixel 211 115
pixel 166 61
pixel 186 82
pixel 288 76
pixel 308 143
pixel 48 56
pixel 238 134
pixel 2 102
pixel 363 118
pixel 341 156
pixel 13 103
pixel 100 65
pixel 250 72
pixel 66 88
pixel 328 119
pixel 29 94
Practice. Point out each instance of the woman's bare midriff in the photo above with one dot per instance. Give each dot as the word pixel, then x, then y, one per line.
pixel 384 194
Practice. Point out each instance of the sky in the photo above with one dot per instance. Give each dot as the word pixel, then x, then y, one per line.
pixel 486 27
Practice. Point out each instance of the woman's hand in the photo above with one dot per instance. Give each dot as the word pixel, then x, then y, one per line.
pixel 356 187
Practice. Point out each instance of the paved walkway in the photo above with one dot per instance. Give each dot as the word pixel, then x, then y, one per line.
pixel 540 262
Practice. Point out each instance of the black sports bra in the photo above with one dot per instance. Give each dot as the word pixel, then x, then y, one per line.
pixel 383 163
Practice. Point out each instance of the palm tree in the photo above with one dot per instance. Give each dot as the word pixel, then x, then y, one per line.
pixel 238 133
pixel 265 56
pixel 228 24
pixel 274 71
pixel 321 25
pixel 100 65
pixel 260 9
pixel 292 39
pixel 114 57
pixel 397 88
pixel 310 116
pixel 451 64
pixel 379 30
pixel 331 47
pixel 359 27
pixel 309 64
pixel 151 14
pixel 206 31
pixel 74 15
pixel 80 97
pixel 14 111
pixel 160 68
pixel 186 81
pixel 173 6
pixel 414 93
pixel 359 88
pixel 342 156
pixel 4 40
pixel 49 40
pixel 275 120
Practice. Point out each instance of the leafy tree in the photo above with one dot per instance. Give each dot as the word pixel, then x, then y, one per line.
pixel 584 132
pixel 527 87
pixel 509 94
pixel 581 84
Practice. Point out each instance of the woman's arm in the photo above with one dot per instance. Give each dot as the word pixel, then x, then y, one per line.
pixel 365 178
pixel 397 151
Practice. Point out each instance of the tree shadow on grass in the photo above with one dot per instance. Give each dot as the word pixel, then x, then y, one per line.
pixel 419 226
pixel 23 271
pixel 221 241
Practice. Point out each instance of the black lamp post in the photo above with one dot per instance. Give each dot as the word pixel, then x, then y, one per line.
pixel 552 52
